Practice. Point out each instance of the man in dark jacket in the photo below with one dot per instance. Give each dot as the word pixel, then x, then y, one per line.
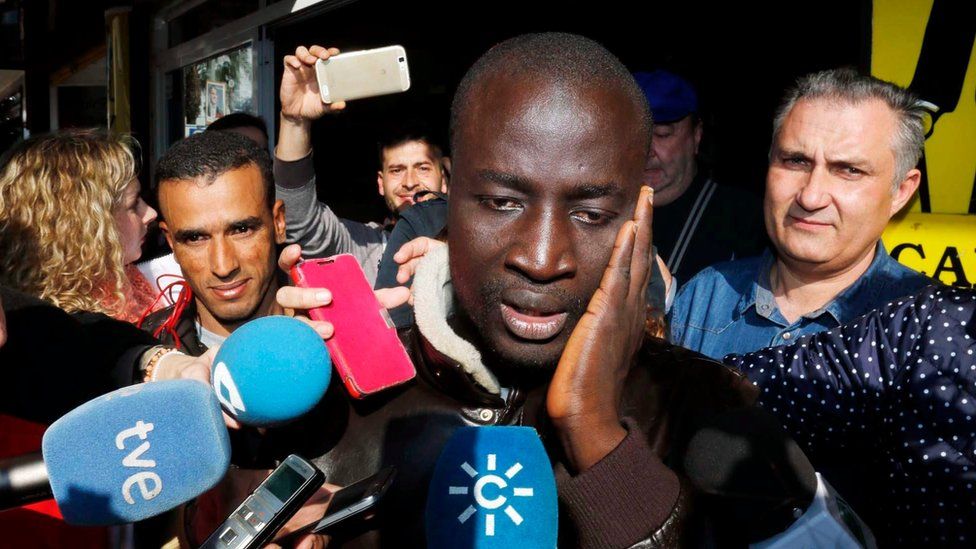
pixel 550 253
pixel 697 220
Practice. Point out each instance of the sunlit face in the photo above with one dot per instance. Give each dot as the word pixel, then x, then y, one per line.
pixel 408 169
pixel 223 235
pixel 670 167
pixel 829 185
pixel 544 176
pixel 132 218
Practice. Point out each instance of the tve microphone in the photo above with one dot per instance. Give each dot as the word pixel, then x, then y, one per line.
pixel 779 501
pixel 126 456
pixel 271 370
pixel 493 487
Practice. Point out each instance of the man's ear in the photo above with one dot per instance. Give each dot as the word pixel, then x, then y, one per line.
pixel 278 218
pixel 905 191
pixel 445 173
pixel 379 183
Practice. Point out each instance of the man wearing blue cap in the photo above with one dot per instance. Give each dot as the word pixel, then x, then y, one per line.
pixel 697 222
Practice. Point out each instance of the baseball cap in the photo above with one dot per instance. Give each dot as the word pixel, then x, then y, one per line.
pixel 671 97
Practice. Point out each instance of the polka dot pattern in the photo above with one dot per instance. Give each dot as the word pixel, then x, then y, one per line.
pixel 903 380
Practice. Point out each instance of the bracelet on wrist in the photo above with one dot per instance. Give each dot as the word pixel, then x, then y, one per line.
pixel 150 372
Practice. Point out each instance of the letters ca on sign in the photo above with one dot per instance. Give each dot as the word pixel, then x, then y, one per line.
pixel 941 246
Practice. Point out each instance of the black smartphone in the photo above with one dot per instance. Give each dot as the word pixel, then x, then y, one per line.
pixel 268 507
pixel 349 502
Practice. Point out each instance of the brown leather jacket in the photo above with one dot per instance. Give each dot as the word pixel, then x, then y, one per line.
pixel 635 495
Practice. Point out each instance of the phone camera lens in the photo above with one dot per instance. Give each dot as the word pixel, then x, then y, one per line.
pixel 400 60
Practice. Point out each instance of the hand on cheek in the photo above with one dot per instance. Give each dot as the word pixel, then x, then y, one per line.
pixel 584 397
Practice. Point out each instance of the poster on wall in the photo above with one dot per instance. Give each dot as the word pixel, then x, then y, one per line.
pixel 217 86
pixel 929 46
pixel 216 100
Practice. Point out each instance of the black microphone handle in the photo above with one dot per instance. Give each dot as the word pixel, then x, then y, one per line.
pixel 23 480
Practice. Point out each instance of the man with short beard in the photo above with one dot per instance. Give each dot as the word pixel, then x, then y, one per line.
pixel 411 164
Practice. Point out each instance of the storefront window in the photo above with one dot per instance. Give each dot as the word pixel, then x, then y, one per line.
pixel 217 86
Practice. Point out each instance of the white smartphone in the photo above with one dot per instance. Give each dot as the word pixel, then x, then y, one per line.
pixel 365 73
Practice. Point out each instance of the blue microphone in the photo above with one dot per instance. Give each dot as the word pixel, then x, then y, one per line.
pixel 271 370
pixel 126 456
pixel 493 488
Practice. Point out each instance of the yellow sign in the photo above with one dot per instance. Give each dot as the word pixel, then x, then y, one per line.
pixel 929 47
pixel 938 245
pixel 119 112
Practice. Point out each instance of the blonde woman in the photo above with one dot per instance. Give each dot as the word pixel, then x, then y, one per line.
pixel 72 223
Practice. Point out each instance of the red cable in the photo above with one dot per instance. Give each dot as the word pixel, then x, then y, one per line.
pixel 181 303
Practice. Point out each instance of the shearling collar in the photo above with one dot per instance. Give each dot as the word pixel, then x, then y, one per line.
pixel 433 303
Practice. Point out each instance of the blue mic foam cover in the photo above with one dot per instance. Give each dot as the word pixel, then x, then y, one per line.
pixel 493 487
pixel 136 452
pixel 271 370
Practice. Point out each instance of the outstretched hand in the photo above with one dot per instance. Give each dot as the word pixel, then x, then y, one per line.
pixel 410 254
pixel 584 396
pixel 297 300
pixel 301 102
pixel 299 93
pixel 181 366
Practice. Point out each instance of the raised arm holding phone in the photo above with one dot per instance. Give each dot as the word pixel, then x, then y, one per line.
pixel 410 161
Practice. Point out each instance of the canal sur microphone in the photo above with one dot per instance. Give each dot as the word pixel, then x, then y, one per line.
pixel 493 487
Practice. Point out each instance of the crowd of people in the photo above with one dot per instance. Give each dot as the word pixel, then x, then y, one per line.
pixel 572 267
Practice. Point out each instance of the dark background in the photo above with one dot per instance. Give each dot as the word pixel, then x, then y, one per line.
pixel 741 58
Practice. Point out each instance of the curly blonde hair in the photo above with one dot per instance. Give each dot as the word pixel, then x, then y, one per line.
pixel 58 237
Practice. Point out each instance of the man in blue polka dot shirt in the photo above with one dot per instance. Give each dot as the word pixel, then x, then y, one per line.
pixel 895 391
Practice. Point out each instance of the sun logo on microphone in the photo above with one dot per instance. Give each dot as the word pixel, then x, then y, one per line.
pixel 495 485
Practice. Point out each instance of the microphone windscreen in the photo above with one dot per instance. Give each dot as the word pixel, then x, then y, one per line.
pixel 271 370
pixel 745 455
pixel 492 487
pixel 136 452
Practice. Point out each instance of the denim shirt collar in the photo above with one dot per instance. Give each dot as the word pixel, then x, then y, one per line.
pixel 864 291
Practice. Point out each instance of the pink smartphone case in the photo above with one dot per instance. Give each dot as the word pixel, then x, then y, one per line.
pixel 365 348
